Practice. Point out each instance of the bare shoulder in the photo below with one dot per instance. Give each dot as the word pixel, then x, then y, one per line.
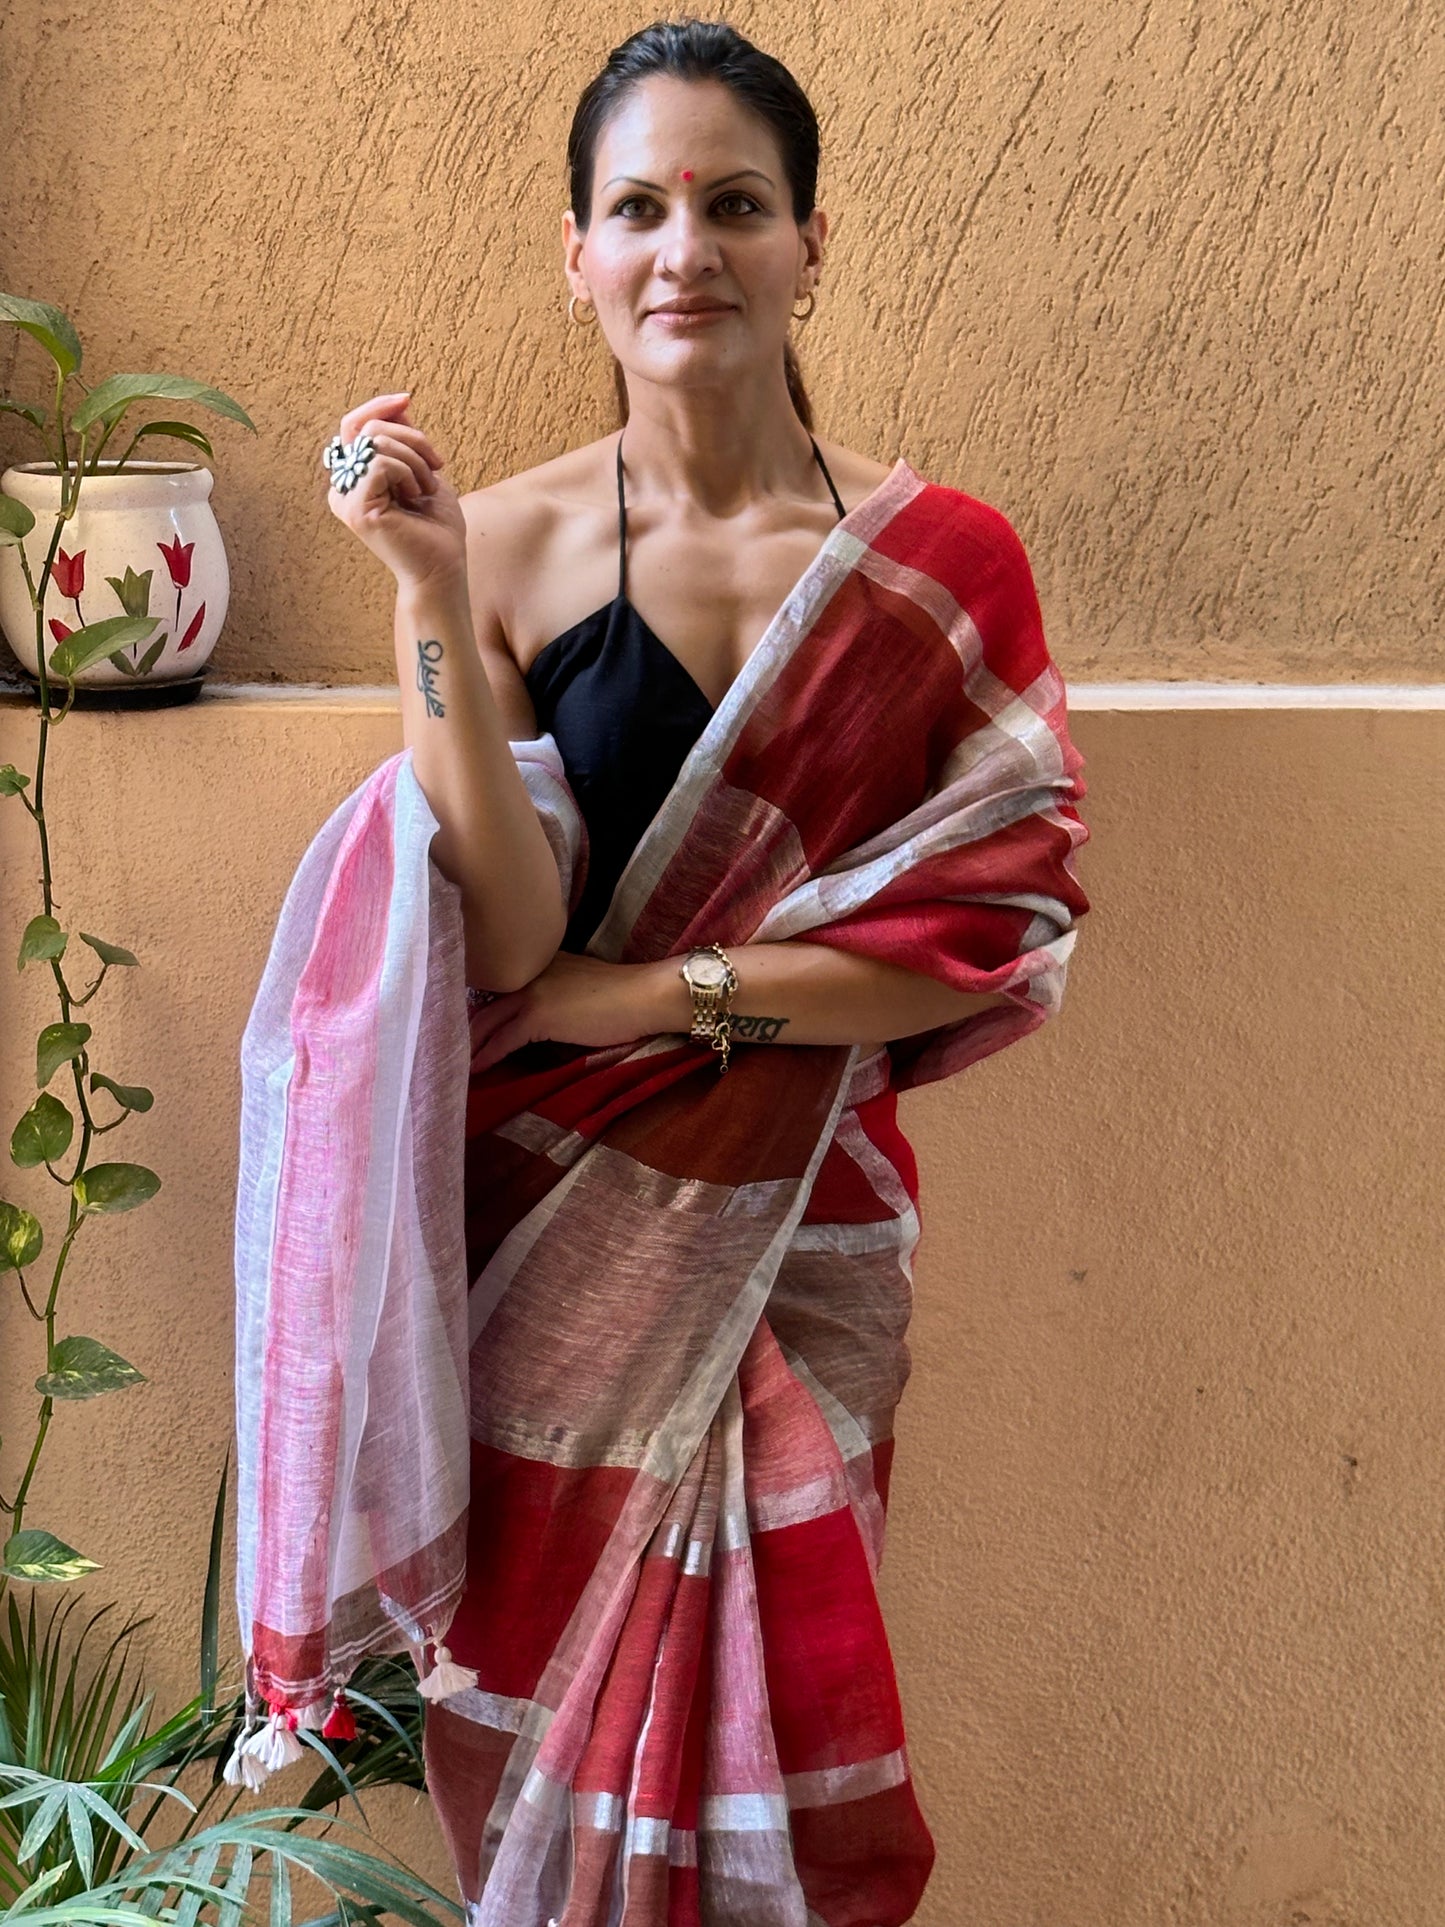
pixel 515 525
pixel 856 475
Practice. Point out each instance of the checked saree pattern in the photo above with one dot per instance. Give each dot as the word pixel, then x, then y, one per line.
pixel 587 1364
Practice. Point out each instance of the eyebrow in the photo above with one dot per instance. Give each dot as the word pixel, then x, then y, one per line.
pixel 719 182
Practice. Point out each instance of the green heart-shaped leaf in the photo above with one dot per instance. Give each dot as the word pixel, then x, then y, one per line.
pixel 96 641
pixel 43 1134
pixel 43 940
pixel 12 780
pixel 16 521
pixel 115 1187
pixel 56 1045
pixel 22 1238
pixel 84 1368
pixel 36 1555
pixel 110 953
pixel 135 1097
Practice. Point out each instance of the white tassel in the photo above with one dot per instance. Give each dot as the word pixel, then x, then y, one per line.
pixel 271 1747
pixel 445 1677
pixel 236 1771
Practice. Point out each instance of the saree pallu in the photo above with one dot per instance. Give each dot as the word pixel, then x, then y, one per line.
pixel 588 1362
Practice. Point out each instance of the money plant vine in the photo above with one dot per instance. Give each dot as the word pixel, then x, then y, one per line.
pixel 74 429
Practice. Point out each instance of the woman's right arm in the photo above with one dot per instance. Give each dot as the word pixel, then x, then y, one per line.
pixel 462 700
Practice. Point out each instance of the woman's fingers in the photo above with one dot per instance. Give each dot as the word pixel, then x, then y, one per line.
pixel 395 461
pixel 388 411
pixel 380 407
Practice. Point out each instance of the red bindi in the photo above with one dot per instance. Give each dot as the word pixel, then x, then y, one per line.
pixel 687 173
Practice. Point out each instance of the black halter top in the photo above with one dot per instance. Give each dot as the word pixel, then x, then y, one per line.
pixel 624 714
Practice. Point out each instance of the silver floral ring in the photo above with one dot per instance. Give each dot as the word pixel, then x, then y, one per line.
pixel 348 461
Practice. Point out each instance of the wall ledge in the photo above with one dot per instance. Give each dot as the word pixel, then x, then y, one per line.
pixel 1082 695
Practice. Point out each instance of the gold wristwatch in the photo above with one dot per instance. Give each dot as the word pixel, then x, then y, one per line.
pixel 712 980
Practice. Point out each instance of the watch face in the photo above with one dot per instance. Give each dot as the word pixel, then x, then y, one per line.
pixel 707 969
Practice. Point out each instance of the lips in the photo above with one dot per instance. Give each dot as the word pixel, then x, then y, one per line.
pixel 710 307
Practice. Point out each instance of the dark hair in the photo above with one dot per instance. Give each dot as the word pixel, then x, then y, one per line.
pixel 692 49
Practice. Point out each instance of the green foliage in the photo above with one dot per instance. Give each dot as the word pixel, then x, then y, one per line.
pixel 43 1133
pixel 40 1557
pixel 84 1775
pixel 97 640
pixel 84 1368
pixel 57 1044
pixel 84 1769
pixel 115 1187
pixel 43 939
pixel 22 1237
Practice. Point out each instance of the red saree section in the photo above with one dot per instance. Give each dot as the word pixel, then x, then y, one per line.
pixel 684 1693
pixel 674 1338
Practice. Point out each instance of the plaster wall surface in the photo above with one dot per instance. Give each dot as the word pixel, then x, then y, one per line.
pixel 1163 1574
pixel 1163 280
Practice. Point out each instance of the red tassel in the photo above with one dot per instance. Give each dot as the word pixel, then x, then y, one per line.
pixel 340 1721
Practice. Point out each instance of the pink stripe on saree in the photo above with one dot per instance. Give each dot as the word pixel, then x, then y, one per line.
pixel 680 1301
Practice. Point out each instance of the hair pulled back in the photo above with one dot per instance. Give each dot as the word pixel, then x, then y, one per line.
pixel 692 49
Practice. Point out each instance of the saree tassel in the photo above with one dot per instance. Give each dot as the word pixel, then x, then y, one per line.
pixel 241 1768
pixel 445 1677
pixel 340 1721
pixel 274 1745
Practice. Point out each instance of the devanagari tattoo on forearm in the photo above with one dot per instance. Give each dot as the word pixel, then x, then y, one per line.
pixel 429 654
pixel 757 1030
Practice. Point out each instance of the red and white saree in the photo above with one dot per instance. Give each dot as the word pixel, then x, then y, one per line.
pixel 589 1363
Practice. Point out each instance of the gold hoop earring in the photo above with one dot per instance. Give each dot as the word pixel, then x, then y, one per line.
pixel 812 300
pixel 572 312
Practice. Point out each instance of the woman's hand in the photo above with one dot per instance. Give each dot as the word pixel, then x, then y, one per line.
pixel 575 1000
pixel 401 508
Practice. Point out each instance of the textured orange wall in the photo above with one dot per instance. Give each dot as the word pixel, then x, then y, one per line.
pixel 1161 280
pixel 1164 1564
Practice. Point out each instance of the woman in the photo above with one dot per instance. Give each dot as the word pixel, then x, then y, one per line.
pixel 552 1339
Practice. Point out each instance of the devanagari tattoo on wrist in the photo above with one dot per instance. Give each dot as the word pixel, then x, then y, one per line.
pixel 756 1030
pixel 429 654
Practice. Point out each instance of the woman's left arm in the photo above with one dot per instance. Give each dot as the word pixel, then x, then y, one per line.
pixel 789 992
pixel 797 992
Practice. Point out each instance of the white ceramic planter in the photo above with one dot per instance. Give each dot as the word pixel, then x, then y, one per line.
pixel 153 518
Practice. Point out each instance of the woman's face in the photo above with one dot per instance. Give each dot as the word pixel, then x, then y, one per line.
pixel 725 235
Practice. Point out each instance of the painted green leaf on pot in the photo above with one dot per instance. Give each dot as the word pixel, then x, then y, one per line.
pixel 56 1045
pixel 115 1187
pixel 22 1237
pixel 110 953
pixel 53 330
pixel 97 640
pixel 110 398
pixel 43 1134
pixel 133 590
pixel 39 1555
pixel 84 1368
pixel 16 521
pixel 43 940
pixel 135 1097
pixel 152 655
